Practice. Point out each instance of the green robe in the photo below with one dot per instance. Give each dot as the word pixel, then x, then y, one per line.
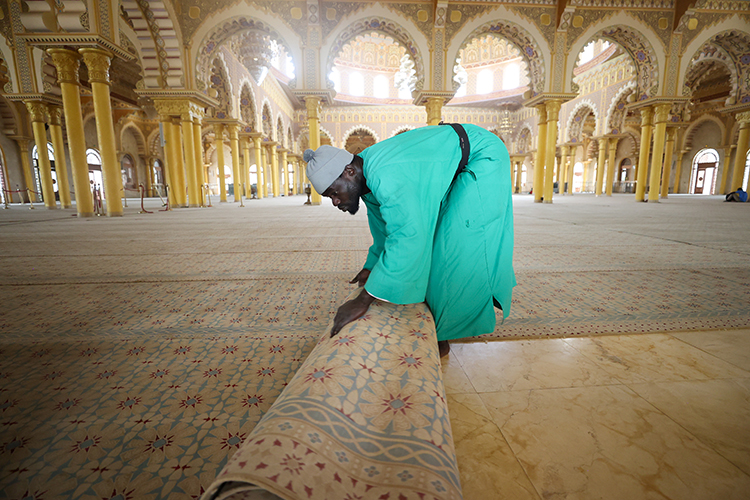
pixel 449 244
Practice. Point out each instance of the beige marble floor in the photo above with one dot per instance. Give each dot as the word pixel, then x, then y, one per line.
pixel 622 417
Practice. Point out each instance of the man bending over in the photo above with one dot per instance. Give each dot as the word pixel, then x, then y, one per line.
pixel 440 213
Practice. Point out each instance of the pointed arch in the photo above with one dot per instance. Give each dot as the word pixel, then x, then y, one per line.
pixel 636 38
pixel 220 81
pixel 698 123
pixel 359 127
pixel 248 111
pixel 578 117
pixel 617 109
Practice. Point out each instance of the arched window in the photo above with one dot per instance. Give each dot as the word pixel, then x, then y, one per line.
pixel 335 77
pixel 93 157
pixel 356 84
pixel 484 81
pixel 512 76
pixel 380 86
pixel 703 175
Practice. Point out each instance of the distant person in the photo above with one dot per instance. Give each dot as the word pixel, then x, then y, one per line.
pixel 739 195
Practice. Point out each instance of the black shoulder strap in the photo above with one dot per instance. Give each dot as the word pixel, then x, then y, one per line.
pixel 463 141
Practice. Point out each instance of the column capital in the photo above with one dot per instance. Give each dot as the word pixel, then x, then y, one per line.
pixel 312 105
pixel 565 149
pixel 67 63
pixel 661 113
pixel 23 143
pixel 647 115
pixel 553 109
pixel 97 61
pixel 234 130
pixel 37 111
pixel 671 133
pixel 743 119
pixel 55 115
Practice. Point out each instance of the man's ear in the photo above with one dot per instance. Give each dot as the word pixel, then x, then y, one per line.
pixel 350 171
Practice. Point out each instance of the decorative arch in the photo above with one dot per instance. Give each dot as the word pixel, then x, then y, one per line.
pixel 523 139
pixel 290 138
pixel 359 127
pixel 617 109
pixel 219 80
pixel 154 142
pixel 228 24
pixel 734 23
pixel 280 131
pixel 518 36
pixel 139 138
pixel 248 112
pixel 698 123
pixel 400 130
pixel 636 38
pixel 578 118
pixel 378 24
pixel 731 49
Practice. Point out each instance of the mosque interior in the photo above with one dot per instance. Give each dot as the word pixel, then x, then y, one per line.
pixel 164 117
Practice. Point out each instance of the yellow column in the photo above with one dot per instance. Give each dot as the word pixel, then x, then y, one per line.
pixel 513 172
pixel 177 148
pixel 220 160
pixel 38 113
pixel 259 166
pixel 284 172
pixel 274 168
pixel 540 155
pixel 67 63
pixel 54 115
pixel 678 171
pixel 740 154
pixel 611 165
pixel 671 131
pixel 519 176
pixel 28 177
pixel 600 165
pixel 661 115
pixel 190 164
pixel 170 174
pixel 647 115
pixel 553 111
pixel 234 144
pixel 199 169
pixel 297 175
pixel 97 61
pixel 248 163
pixel 266 169
pixel 726 168
pixel 312 103
pixel 434 108
pixel 564 151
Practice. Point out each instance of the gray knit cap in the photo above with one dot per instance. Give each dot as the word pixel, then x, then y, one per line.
pixel 325 164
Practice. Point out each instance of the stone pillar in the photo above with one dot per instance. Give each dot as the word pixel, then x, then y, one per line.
pixel 725 170
pixel 553 111
pixel 266 169
pixel 284 184
pixel 678 171
pixel 740 154
pixel 234 144
pixel 248 163
pixel 669 151
pixel 38 115
pixel 67 63
pixel 190 163
pixel 564 152
pixel 259 165
pixel 198 145
pixel 97 61
pixel 54 116
pixel 540 154
pixel 312 104
pixel 434 108
pixel 661 116
pixel 274 168
pixel 170 169
pixel 600 165
pixel 611 165
pixel 220 160
pixel 519 176
pixel 180 184
pixel 647 115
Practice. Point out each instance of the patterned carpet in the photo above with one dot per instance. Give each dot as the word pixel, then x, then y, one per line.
pixel 137 353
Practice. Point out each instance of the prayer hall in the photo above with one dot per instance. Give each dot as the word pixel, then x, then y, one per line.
pixel 169 275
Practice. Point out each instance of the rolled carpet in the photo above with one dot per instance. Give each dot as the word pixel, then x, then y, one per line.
pixel 364 417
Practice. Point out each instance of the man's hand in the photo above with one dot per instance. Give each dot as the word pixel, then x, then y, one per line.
pixel 361 277
pixel 350 311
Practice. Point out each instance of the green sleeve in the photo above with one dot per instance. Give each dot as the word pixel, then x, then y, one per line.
pixel 377 230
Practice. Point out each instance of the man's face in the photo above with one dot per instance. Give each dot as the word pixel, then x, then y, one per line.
pixel 345 192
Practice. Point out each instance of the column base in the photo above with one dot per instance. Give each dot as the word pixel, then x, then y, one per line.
pixel 194 205
pixel 51 208
pixel 548 201
pixel 664 197
pixel 538 201
pixel 85 214
pixel 655 200
pixel 116 214
pixel 67 206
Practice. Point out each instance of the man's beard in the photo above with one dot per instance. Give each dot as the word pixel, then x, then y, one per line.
pixel 355 193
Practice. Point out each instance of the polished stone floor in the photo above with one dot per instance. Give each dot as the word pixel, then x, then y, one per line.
pixel 616 417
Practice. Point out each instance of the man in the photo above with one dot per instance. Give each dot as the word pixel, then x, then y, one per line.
pixel 439 208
